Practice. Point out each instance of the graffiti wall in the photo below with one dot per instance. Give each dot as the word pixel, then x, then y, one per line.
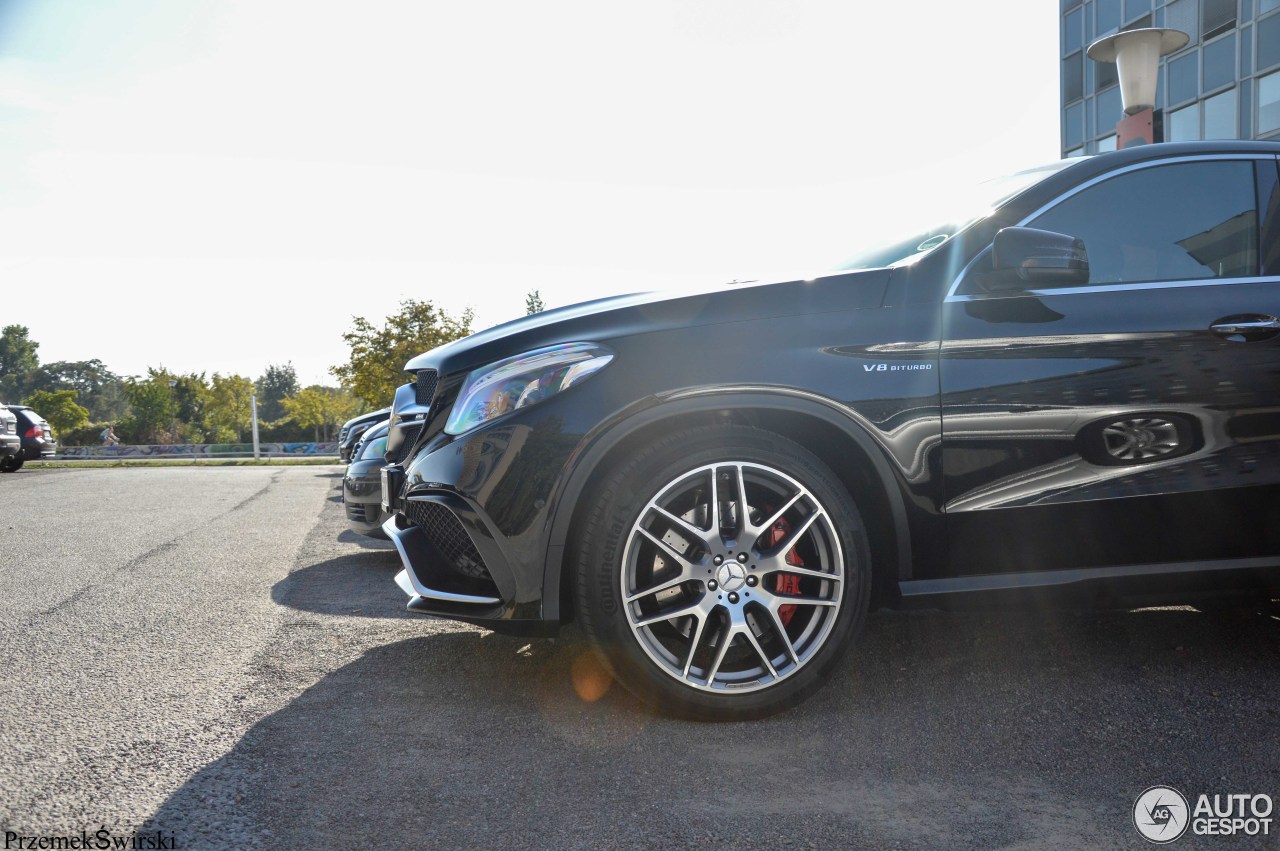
pixel 203 450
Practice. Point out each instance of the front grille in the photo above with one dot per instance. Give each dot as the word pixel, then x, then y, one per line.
pixel 425 386
pixel 445 531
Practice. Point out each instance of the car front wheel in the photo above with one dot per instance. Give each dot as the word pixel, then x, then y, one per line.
pixel 721 572
pixel 11 463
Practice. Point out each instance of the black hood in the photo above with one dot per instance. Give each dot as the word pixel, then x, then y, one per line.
pixel 603 319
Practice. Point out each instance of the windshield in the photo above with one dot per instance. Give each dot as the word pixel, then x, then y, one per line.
pixel 914 241
pixel 375 448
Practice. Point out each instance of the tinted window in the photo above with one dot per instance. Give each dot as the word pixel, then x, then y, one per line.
pixel 1173 222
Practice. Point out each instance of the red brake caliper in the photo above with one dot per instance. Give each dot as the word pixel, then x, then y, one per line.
pixel 787 583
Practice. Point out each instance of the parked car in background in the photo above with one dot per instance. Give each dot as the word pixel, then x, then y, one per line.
pixel 10 442
pixel 354 428
pixel 362 483
pixel 38 441
pixel 1071 392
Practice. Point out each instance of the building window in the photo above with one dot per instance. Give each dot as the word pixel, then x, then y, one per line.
pixel 1219 63
pixel 1141 24
pixel 1106 75
pixel 1268 42
pixel 1136 8
pixel 1181 15
pixel 1108 12
pixel 1109 108
pixel 1216 17
pixel 1074 130
pixel 1269 103
pixel 1107 143
pixel 1184 124
pixel 1184 82
pixel 1072 78
pixel 1073 32
pixel 1220 116
pixel 1267 5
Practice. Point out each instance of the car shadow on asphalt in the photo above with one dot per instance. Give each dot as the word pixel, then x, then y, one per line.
pixel 956 729
pixel 347 536
pixel 359 583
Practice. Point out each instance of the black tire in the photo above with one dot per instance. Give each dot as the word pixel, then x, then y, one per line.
pixel 11 463
pixel 787 654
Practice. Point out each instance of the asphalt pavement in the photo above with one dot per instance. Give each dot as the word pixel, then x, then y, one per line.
pixel 207 656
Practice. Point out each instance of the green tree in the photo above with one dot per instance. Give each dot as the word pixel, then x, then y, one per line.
pixel 321 409
pixel 378 355
pixel 150 411
pixel 18 362
pixel 97 388
pixel 228 409
pixel 59 408
pixel 533 303
pixel 275 384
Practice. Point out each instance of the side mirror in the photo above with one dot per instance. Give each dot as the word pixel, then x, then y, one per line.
pixel 1025 258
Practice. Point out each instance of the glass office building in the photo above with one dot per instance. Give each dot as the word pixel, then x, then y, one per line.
pixel 1225 84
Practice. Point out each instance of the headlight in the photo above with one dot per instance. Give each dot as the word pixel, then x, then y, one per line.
pixel 515 383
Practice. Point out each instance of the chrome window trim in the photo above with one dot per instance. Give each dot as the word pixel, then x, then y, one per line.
pixel 1186 282
pixel 1108 288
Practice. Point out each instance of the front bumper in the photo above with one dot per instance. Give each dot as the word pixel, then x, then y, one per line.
pixel 472 517
pixel 362 499
pixel 435 584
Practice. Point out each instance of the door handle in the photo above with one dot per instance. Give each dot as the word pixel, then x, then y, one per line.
pixel 1253 326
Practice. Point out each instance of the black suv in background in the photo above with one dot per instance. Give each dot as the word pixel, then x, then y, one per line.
pixel 10 443
pixel 37 437
pixel 1074 390
pixel 353 429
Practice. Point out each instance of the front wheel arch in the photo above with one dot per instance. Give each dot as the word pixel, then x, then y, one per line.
pixel 838 439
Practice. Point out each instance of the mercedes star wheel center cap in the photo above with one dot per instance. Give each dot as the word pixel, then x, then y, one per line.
pixel 731 576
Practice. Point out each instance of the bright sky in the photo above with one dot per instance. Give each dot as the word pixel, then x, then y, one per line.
pixel 219 185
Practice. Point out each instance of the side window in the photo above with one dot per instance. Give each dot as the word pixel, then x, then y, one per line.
pixel 1174 222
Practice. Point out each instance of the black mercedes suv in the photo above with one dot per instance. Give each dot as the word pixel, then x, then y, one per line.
pixel 1072 390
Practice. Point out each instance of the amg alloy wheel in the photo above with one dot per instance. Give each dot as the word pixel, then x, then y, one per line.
pixel 737 576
